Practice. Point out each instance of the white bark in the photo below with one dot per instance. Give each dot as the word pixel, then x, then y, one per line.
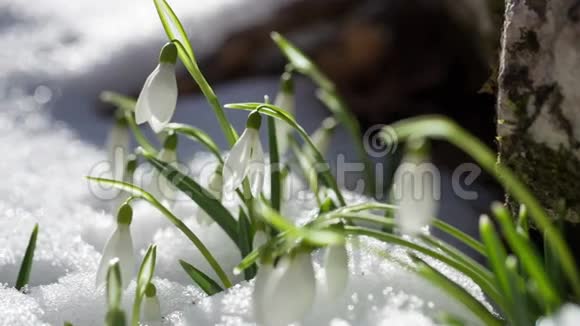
pixel 539 99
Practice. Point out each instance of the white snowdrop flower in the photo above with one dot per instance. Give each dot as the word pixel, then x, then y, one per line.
pixel 157 100
pixel 567 315
pixel 336 270
pixel 260 238
pixel 416 190
pixel 246 159
pixel 118 148
pixel 214 187
pixel 150 309
pixel 284 100
pixel 322 136
pixel 120 246
pixel 284 293
pixel 159 186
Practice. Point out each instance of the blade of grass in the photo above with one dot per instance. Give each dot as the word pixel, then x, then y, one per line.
pixel 26 265
pixel 209 286
pixel 140 193
pixel 520 311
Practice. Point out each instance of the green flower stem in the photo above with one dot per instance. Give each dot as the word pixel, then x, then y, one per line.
pixel 140 193
pixel 438 127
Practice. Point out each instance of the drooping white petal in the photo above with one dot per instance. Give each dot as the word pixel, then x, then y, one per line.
pixel 162 96
pixel 260 238
pixel 256 169
pixel 151 311
pixel 336 270
pixel 120 246
pixel 259 295
pixel 118 150
pixel 416 191
pixel 237 162
pixel 288 293
pixel 142 112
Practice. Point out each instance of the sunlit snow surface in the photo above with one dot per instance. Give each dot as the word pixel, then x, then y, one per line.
pixel 62 43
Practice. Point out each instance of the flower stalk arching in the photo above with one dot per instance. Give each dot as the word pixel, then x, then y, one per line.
pixel 438 127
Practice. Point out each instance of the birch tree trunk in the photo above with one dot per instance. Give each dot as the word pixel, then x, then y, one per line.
pixel 539 101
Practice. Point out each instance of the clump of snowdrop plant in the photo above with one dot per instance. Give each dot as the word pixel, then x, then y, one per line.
pixel 522 284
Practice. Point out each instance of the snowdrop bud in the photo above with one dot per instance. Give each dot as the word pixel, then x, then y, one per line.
pixel 416 189
pixel 336 270
pixel 160 187
pixel 284 293
pixel 323 135
pixel 120 246
pixel 246 159
pixel 567 315
pixel 118 147
pixel 157 100
pixel 151 310
pixel 284 100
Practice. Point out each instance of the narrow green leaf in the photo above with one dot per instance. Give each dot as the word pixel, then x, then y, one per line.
pixel 527 256
pixel 245 231
pixel 460 235
pixel 114 285
pixel 496 257
pixel 457 292
pixel 197 135
pixel 144 277
pixel 329 96
pixel 301 62
pixel 204 282
pixel 26 266
pixel 520 311
pixel 67 323
pixel 275 168
pixel 203 198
